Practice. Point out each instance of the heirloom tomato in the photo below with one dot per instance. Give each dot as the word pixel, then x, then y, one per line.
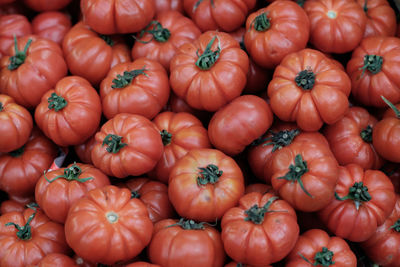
pixel 12 25
pixel 16 203
pixel 52 25
pixel 165 5
pixel 84 150
pixel 46 5
pixel 56 259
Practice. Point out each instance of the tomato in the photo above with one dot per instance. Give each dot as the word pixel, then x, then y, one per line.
pixel 31 56
pixel 15 203
pixel 315 247
pixel 127 144
pixel 164 5
pixel 210 72
pixel 27 237
pixel 160 40
pixel 185 243
pixel 142 264
pixel 275 31
pixel 119 16
pixel 121 223
pixel 350 139
pixel 91 55
pixel 392 170
pixel 363 201
pixel 11 25
pixel 154 195
pixel 261 230
pixel 46 5
pixel 385 137
pixel 70 113
pixel 16 124
pixel 84 150
pixel 308 88
pixel 21 169
pixel 225 15
pixel 138 87
pixel 180 132
pixel 56 259
pixel 337 26
pixel 204 184
pixel 51 25
pixel 383 246
pixel 239 123
pixel 371 69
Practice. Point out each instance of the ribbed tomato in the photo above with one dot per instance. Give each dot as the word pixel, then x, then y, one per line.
pixel 52 25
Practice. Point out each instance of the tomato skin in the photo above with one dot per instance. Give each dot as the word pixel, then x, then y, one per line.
pixel 312 242
pixel 57 259
pixel 20 171
pixel 111 17
pixel 174 246
pixel 260 188
pixel 206 202
pixel 164 5
pixel 145 95
pixel 221 83
pixel 154 195
pixel 182 30
pixel 141 153
pixel 51 25
pixel 367 87
pixel 75 122
pixel 47 237
pixel 264 243
pixel 15 203
pixel 84 150
pixel 382 246
pixel 10 25
pixel 289 25
pixel 348 145
pixel 337 26
pixel 142 264
pixel 44 57
pixel 91 57
pixel 233 127
pixel 324 100
pixel 343 218
pixel 123 225
pixel 222 15
pixel 187 132
pixel 46 5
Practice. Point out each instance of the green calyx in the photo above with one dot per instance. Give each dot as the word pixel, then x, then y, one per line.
pixel 206 60
pixel 166 137
pixel 261 23
pixel 56 102
pixel 366 134
pixel 126 79
pixel 296 171
pixel 18 152
pixel 396 226
pixel 135 194
pixel 114 143
pixel 19 58
pixel 365 7
pixel 301 2
pixel 281 139
pixel 24 232
pixel 71 174
pixel 158 33
pixel 189 225
pixel 256 214
pixel 322 258
pixel 196 5
pixel 1 106
pixel 372 63
pixel 107 39
pixel 358 193
pixel 392 106
pixel 209 175
pixel 305 79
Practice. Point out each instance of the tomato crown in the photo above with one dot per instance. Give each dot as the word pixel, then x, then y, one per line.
pixel 256 214
pixel 322 258
pixel 70 174
pixel 209 175
pixel 158 33
pixel 107 39
pixel 261 23
pixel 279 139
pixel 56 102
pixel 305 79
pixel 372 63
pixel 209 57
pixel 396 226
pixel 114 143
pixel 19 58
pixel 126 79
pixel 25 232
pixel 358 193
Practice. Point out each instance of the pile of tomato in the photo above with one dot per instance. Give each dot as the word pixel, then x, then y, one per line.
pixel 201 133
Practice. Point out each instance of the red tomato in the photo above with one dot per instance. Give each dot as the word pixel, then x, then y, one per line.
pixel 139 87
pixel 185 243
pixel 337 26
pixel 307 87
pixel 142 264
pixel 383 246
pixel 260 231
pixel 275 31
pixel 315 247
pixel 51 25
pixel 180 132
pixel 160 40
pixel 210 72
pixel 27 237
pixel 84 150
pixel 204 184
pixel 350 139
pixel 164 5
pixel 119 16
pixel 56 259
pixel 363 201
pixel 10 26
pixel 371 70
pixel 121 223
pixel 21 169
pixel 15 203
pixel 91 55
pixel 70 113
pixel 225 15
pixel 31 56
pixel 46 5
pixel 16 124
pixel 127 144
pixel 236 125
